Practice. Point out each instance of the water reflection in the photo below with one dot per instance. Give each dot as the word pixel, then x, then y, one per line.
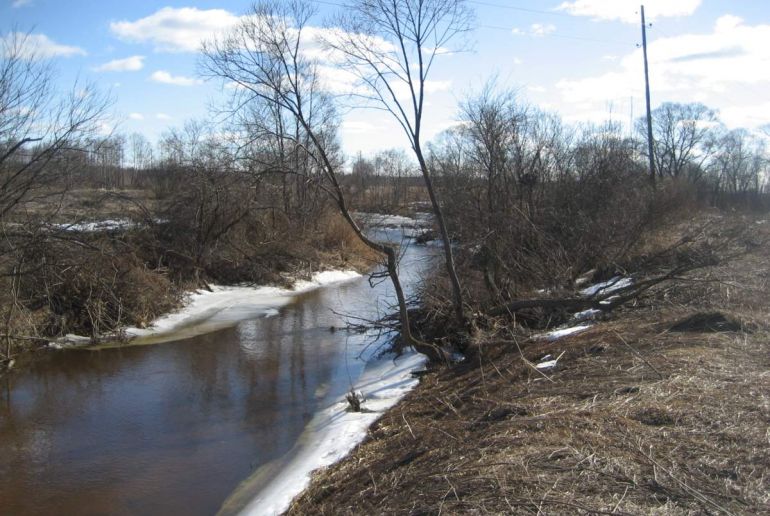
pixel 173 428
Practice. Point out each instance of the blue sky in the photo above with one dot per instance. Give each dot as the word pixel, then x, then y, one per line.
pixel 576 57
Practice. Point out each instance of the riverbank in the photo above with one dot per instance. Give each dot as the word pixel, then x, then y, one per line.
pixel 330 436
pixel 661 406
pixel 207 310
pixel 177 427
pixel 109 283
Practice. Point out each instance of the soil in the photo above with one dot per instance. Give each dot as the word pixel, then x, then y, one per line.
pixel 664 408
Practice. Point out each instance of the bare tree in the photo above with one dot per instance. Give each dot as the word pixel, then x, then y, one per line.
pixel 391 46
pixel 264 60
pixel 39 128
pixel 682 138
pixel 739 163
pixel 140 150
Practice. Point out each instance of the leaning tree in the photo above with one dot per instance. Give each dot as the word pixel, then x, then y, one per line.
pixel 277 92
pixel 391 46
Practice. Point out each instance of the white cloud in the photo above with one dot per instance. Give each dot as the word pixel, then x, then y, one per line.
pixel 164 77
pixel 37 46
pixel 162 116
pixel 21 3
pixel 628 10
pixel 539 29
pixel 536 29
pixel 136 116
pixel 708 68
pixel 358 127
pixel 175 30
pixel 129 64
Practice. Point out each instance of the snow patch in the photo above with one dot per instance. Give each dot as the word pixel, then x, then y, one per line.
pixel 616 283
pixel 97 225
pixel 558 334
pixel 586 314
pixel 334 432
pixel 69 340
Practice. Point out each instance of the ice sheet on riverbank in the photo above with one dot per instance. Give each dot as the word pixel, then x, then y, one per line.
pixel 208 310
pixel 421 220
pixel 334 432
pixel 222 306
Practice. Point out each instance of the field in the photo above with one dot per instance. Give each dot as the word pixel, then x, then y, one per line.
pixel 662 407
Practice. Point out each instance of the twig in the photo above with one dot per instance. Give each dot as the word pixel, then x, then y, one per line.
pixel 639 355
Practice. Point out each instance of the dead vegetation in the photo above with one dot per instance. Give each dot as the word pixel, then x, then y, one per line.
pixel 636 417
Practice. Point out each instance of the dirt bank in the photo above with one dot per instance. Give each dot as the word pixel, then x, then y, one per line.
pixel 635 419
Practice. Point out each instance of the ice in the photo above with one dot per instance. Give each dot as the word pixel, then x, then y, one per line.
pixel 393 221
pixel 334 432
pixel 223 306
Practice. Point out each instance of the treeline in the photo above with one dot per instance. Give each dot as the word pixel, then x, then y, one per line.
pixel 540 202
pixel 101 232
pixel 519 198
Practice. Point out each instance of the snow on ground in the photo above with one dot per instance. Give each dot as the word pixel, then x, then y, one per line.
pixel 547 362
pixel 616 283
pixel 334 432
pixel 586 314
pixel 96 226
pixel 557 334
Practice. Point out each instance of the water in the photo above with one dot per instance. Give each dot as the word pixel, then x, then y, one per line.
pixel 173 428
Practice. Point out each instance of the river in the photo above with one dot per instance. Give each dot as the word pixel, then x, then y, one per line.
pixel 176 427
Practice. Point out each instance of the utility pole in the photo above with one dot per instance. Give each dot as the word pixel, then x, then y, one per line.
pixel 647 93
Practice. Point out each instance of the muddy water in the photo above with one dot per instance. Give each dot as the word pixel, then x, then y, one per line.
pixel 174 428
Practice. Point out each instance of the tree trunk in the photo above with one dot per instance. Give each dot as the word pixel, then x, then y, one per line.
pixel 457 294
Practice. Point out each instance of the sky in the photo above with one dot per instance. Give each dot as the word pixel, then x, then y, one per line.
pixel 580 58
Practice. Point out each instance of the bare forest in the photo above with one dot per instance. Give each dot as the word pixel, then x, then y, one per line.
pixel 102 230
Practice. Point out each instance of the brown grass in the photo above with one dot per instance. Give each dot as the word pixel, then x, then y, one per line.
pixel 636 419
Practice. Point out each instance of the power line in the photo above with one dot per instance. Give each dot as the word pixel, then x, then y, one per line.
pixel 560 36
pixel 510 29
pixel 516 8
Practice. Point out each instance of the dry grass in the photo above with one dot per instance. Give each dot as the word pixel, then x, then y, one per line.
pixel 636 419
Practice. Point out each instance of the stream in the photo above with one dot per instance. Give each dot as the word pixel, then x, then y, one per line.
pixel 177 427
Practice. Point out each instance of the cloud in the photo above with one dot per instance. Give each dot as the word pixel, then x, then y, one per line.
pixel 536 29
pixel 628 10
pixel 162 116
pixel 129 64
pixel 358 127
pixel 175 29
pixel 136 116
pixel 21 3
pixel 707 68
pixel 716 54
pixel 539 29
pixel 36 46
pixel 164 77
